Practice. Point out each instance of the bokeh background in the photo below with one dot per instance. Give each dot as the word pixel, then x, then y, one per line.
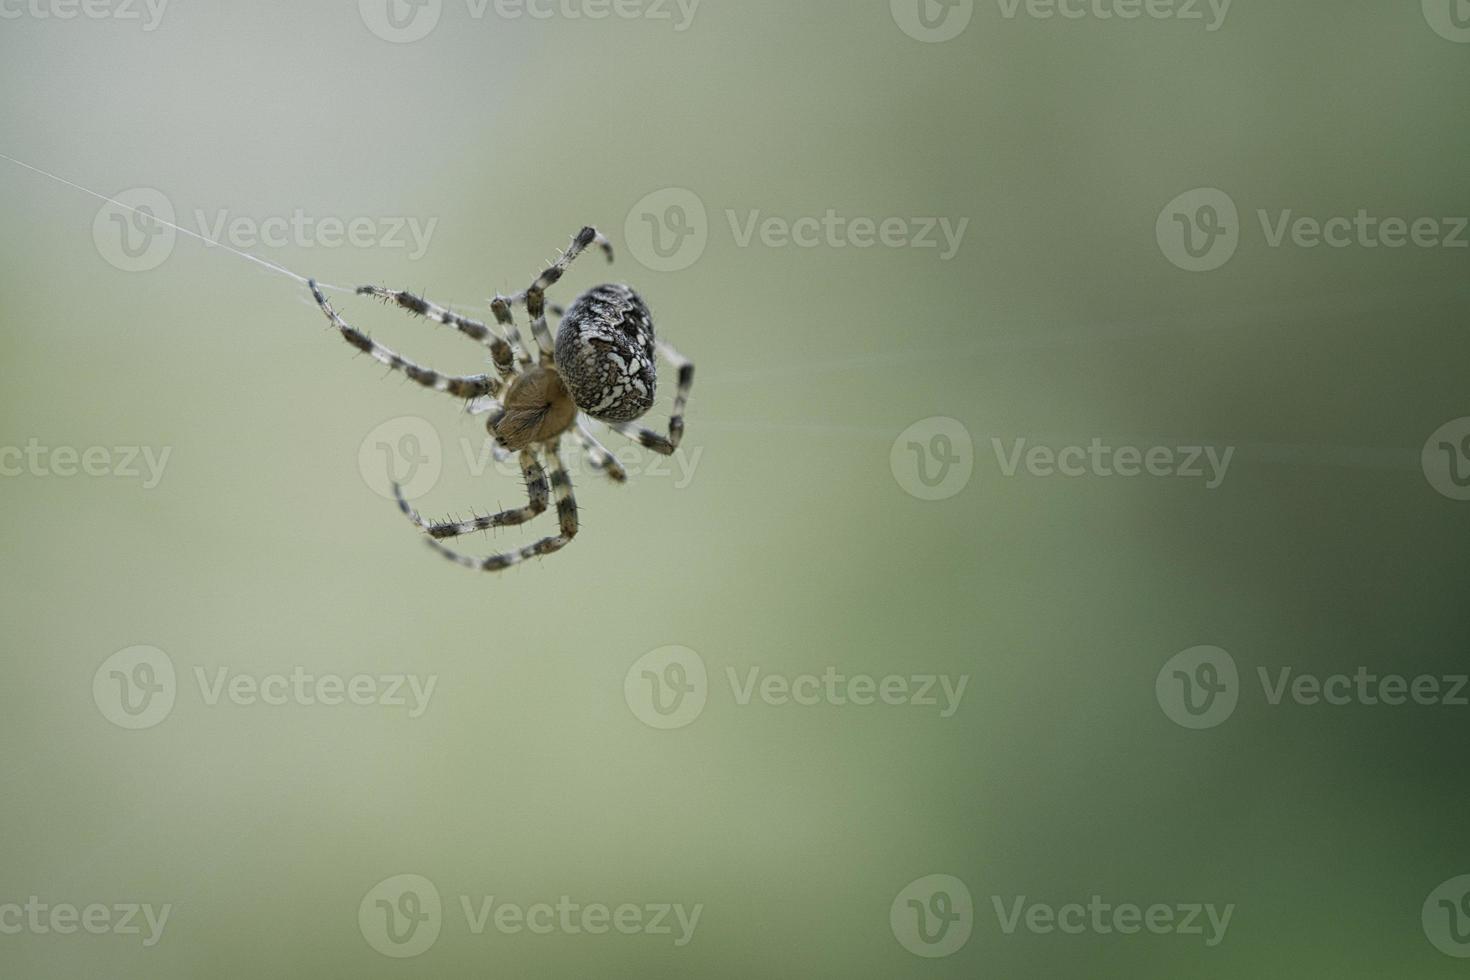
pixel 798 540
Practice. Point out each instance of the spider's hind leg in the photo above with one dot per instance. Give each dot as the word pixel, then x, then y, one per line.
pixel 661 444
pixel 599 457
pixel 536 488
pixel 566 512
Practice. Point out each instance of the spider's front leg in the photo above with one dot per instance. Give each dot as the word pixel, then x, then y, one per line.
pixel 466 387
pixel 500 351
pixel 665 445
pixel 566 512
pixel 535 295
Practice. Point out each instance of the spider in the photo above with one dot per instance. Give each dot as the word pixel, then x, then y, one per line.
pixel 601 366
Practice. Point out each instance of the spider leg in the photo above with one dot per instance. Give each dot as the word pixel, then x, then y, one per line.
pixel 536 488
pixel 598 455
pixel 500 306
pixel 566 512
pixel 500 351
pixel 473 386
pixel 535 295
pixel 665 445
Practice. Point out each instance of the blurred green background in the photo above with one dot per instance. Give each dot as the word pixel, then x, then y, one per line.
pixel 794 544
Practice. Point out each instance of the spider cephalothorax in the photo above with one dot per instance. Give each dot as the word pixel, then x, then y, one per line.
pixel 600 367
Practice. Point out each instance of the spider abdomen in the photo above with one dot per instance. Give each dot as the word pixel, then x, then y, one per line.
pixel 605 353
